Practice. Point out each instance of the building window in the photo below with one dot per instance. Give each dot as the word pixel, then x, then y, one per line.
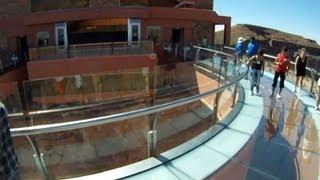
pixel 153 33
pixel 3 41
pixel 43 39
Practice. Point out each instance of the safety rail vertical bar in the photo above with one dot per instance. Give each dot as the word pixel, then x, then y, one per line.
pixel 1 66
pixel 235 73
pixel 234 95
pixel 38 157
pixel 152 135
pixel 213 59
pixel 197 54
pixel 216 108
pixel 220 71
pixel 313 77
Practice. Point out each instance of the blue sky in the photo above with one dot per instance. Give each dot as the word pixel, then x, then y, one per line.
pixel 300 17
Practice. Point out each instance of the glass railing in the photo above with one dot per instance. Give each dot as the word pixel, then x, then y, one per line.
pixel 115 119
pixel 91 50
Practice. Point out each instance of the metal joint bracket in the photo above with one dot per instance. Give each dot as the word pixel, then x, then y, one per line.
pixel 152 143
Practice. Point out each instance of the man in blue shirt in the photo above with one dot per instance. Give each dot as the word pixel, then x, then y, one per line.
pixel 240 48
pixel 253 47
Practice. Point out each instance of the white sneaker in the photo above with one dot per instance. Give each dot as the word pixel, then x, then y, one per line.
pixel 278 96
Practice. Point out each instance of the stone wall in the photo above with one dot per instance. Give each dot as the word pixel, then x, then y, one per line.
pixel 204 4
pixel 105 3
pixel 13 7
pixel 201 30
pixel 163 3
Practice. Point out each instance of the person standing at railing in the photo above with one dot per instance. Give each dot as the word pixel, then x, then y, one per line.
pixel 257 69
pixel 300 67
pixel 318 98
pixel 282 63
pixel 9 165
pixel 240 48
pixel 252 49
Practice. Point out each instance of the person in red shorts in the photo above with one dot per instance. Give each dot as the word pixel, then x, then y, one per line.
pixel 282 63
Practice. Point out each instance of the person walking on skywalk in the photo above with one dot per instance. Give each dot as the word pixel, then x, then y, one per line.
pixel 282 63
pixel 252 49
pixel 257 69
pixel 300 67
pixel 240 49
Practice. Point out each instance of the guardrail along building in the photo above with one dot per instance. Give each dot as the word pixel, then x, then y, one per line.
pixel 42 23
pixel 67 38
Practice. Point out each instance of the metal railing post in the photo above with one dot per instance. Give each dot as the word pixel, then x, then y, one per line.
pixel 1 66
pixel 216 108
pixel 197 54
pixel 234 95
pixel 185 50
pixel 74 51
pixel 213 59
pixel 225 64
pixel 176 50
pixel 220 71
pixel 313 77
pixel 38 157
pixel 112 48
pixel 152 135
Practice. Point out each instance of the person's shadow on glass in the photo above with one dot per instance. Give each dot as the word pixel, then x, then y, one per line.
pixel 272 156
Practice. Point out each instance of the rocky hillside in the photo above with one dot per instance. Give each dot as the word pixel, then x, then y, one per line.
pixel 268 37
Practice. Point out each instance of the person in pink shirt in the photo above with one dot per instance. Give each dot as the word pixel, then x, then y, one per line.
pixel 282 63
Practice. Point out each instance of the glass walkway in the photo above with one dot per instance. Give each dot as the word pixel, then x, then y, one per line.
pixel 201 123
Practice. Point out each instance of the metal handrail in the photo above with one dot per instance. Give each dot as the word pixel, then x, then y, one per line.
pixel 274 57
pixel 215 51
pixel 152 112
pixel 41 112
pixel 59 110
pixel 58 127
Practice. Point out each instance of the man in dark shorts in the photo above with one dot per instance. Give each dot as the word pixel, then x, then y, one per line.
pixel 281 69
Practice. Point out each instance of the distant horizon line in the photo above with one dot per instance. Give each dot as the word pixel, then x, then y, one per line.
pixel 221 27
